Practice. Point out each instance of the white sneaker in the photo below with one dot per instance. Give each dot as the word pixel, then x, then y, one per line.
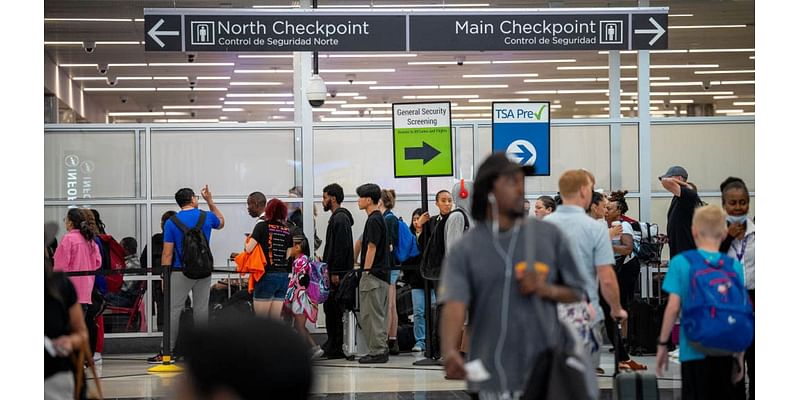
pixel 416 349
pixel 98 358
pixel 676 354
pixel 316 352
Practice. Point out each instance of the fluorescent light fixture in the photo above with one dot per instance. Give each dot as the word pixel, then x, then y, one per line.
pixel 234 109
pixel 626 108
pixel 56 43
pixel 632 79
pixel 259 95
pixel 186 120
pixel 128 65
pixel 604 102
pixel 538 92
pixel 76 65
pixel 552 80
pixel 224 117
pixel 119 42
pixel 449 62
pixel 705 26
pixel 169 78
pixel 729 111
pixel 676 83
pixel 265 56
pixel 388 55
pixel 501 86
pixel 116 89
pixel 743 113
pixel 351 83
pixel 192 107
pixel 146 114
pixel 532 75
pixel 89 78
pixel 180 89
pixel 721 50
pixel 368 105
pixel 256 83
pixel 357 70
pixel 752 57
pixel 345 94
pixel 566 60
pixel 272 6
pixel 213 78
pixel 591 67
pixel 351 112
pixel 472 108
pixel 555 106
pixel 725 97
pixel 735 71
pixel 451 5
pixel 667 112
pixel 263 71
pixel 278 117
pixel 192 64
pixel 91 20
pixel 485 115
pixel 570 91
pixel 286 109
pixel 744 103
pixel 256 103
pixel 591 116
pixel 335 102
pixel 135 78
pixel 679 101
pixel 679 66
pixel 359 97
pixel 737 83
pixel 680 15
pixel 708 93
pixel 442 96
pixel 407 87
pixel 496 100
pixel 354 119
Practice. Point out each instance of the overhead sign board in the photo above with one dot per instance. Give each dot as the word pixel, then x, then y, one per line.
pixel 522 131
pixel 246 30
pixel 422 139
pixel 539 31
pixel 274 32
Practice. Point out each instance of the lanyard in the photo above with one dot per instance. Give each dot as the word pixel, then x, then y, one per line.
pixel 740 253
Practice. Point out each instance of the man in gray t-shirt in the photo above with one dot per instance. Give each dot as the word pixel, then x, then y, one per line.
pixel 592 248
pixel 486 274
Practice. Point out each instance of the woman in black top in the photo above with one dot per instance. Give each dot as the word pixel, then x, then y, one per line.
pixel 274 236
pixel 64 331
pixel 417 283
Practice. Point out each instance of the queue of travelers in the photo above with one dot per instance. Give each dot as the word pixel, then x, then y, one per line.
pixel 495 274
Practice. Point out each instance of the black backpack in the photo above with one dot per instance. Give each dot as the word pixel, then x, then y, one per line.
pixel 432 257
pixel 646 245
pixel 196 260
pixel 348 291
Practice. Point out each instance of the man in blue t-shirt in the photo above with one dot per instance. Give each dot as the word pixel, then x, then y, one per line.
pixel 180 285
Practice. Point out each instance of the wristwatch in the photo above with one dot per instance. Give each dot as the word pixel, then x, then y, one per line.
pixel 665 343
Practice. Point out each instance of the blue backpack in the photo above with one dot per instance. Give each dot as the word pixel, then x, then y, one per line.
pixel 717 316
pixel 406 242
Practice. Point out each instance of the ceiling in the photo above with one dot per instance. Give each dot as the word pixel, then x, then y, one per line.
pixel 63 44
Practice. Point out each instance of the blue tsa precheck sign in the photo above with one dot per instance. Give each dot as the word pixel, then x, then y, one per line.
pixel 522 131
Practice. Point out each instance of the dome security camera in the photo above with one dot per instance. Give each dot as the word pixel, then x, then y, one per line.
pixel 333 93
pixel 89 46
pixel 111 80
pixel 192 81
pixel 102 69
pixel 350 77
pixel 190 57
pixel 316 91
pixel 123 99
pixel 192 99
pixel 460 60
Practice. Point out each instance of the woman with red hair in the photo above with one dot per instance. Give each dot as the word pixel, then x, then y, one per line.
pixel 275 237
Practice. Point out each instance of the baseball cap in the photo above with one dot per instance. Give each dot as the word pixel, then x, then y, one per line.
pixel 675 170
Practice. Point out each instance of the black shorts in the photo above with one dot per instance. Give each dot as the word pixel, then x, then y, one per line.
pixel 707 379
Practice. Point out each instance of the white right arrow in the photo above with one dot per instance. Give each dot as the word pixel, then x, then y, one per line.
pixel 154 33
pixel 659 31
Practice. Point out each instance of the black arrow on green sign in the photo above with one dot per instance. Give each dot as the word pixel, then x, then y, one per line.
pixel 424 153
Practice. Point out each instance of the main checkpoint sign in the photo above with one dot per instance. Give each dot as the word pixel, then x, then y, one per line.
pixel 423 140
pixel 522 131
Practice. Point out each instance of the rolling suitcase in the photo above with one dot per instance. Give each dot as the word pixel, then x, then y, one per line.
pixel 633 385
pixel 354 343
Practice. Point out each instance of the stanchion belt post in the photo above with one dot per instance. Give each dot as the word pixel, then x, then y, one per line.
pixel 167 330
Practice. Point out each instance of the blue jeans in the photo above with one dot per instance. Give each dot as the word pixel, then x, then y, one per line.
pixel 418 299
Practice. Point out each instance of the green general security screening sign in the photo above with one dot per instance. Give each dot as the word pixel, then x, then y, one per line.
pixel 422 140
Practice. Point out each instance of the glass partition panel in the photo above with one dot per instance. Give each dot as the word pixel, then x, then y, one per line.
pixel 84 165
pixel 232 162
pixel 464 168
pixel 630 158
pixel 120 220
pixel 709 152
pixel 354 156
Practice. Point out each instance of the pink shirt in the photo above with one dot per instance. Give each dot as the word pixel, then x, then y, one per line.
pixel 73 254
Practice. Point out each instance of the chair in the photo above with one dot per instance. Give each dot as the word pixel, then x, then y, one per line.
pixel 136 308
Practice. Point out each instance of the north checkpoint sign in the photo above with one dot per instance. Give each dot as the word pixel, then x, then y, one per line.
pixel 243 30
pixel 422 139
pixel 522 131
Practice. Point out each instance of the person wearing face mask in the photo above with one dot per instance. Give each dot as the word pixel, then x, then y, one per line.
pixel 740 243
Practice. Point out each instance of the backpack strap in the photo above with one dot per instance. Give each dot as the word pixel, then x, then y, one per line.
pixel 200 221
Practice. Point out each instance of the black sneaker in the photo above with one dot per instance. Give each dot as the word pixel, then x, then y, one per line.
pixel 334 356
pixel 394 348
pixel 158 359
pixel 376 359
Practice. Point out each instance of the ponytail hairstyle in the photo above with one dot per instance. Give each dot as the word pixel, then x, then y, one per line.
pixel 89 217
pixel 388 196
pixel 101 227
pixel 733 183
pixel 619 197
pixel 76 218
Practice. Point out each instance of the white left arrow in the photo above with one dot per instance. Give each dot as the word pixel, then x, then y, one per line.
pixel 659 31
pixel 154 33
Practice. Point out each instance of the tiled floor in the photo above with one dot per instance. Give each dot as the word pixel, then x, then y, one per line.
pixel 126 377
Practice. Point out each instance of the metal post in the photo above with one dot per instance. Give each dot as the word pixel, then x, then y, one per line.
pixel 613 113
pixel 428 360
pixel 645 159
